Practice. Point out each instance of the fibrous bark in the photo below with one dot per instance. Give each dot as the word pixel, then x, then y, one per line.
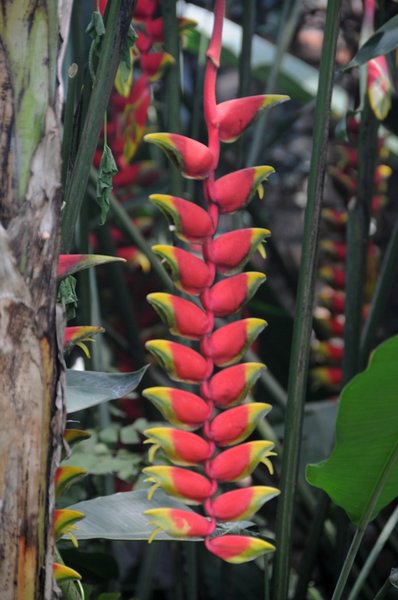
pixel 30 367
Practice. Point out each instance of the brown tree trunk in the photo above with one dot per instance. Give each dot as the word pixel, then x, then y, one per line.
pixel 31 375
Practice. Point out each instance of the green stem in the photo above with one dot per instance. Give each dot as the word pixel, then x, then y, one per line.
pixel 383 591
pixel 124 300
pixel 357 249
pixel 172 78
pixel 374 553
pixel 124 221
pixel 381 294
pixel 68 119
pixel 357 242
pixel 191 578
pixel 305 299
pixel 288 21
pixel 118 22
pixel 312 547
pixel 359 533
pixel 245 57
pixel 245 60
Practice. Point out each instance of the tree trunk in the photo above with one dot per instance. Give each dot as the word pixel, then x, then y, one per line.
pixel 31 374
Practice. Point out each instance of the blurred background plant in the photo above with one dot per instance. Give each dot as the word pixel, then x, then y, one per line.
pixel 342 194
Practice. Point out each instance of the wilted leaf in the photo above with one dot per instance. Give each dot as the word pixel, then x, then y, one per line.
pixel 107 170
pixel 67 296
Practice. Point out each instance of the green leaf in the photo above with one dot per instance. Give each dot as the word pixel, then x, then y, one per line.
pixel 67 296
pixel 363 468
pixel 97 459
pixel 383 41
pixel 96 27
pixel 120 516
pixel 89 388
pixel 106 171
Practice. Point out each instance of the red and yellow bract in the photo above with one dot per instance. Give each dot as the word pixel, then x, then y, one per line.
pixel 220 347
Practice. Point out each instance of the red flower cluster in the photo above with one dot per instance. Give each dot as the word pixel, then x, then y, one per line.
pixel 328 352
pixel 216 408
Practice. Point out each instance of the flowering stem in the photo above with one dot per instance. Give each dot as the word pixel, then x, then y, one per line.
pixel 305 299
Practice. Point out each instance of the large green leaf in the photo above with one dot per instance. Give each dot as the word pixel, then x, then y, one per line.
pixel 120 517
pixel 383 41
pixel 361 474
pixel 88 388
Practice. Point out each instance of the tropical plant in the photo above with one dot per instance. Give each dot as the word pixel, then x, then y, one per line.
pixel 123 86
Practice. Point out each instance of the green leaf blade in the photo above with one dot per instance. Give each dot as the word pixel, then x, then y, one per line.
pixel 383 41
pixel 89 388
pixel 361 475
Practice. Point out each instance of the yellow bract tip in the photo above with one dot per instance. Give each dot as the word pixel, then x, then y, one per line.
pixel 261 251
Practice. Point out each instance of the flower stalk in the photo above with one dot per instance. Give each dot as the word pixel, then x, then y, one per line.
pixel 220 452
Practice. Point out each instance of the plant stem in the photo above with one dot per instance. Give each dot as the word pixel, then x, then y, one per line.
pixel 305 298
pixel 311 550
pixel 357 242
pixel 381 294
pixel 118 22
pixel 374 553
pixel 125 223
pixel 245 58
pixel 383 591
pixel 191 578
pixel 124 301
pixel 68 119
pixel 363 523
pixel 288 20
pixel 172 80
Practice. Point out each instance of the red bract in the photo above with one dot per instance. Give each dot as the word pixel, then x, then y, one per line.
pixel 230 386
pixel 193 158
pixel 238 462
pixel 180 447
pixel 155 63
pixel 191 223
pixel 181 483
pixel 183 317
pixel 189 273
pixel 228 344
pixel 145 8
pixel 237 549
pixel 178 523
pixel 235 190
pixel 181 408
pixel 243 503
pixel 228 295
pixel 235 115
pixel 231 251
pixel 181 363
pixel 235 425
pixel 218 347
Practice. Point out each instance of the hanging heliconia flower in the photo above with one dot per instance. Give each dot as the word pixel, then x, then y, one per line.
pixel 218 451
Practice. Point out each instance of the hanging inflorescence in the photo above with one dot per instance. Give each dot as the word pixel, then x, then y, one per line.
pixel 217 408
